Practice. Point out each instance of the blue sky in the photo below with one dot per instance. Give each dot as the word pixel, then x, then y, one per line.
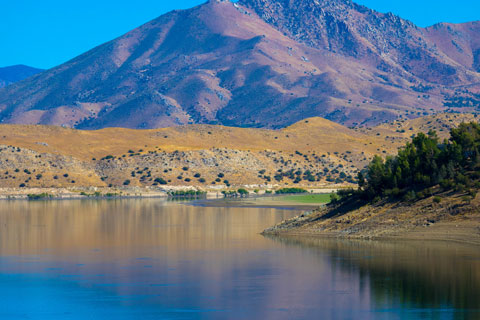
pixel 49 32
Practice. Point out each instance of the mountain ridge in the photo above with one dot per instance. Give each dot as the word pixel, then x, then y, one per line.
pixel 15 73
pixel 228 63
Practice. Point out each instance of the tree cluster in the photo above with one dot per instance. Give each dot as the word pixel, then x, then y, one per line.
pixel 424 163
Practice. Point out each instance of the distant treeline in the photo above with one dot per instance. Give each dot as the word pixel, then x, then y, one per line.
pixel 291 191
pixel 424 163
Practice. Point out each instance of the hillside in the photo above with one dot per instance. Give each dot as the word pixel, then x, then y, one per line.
pixel 312 151
pixel 429 187
pixel 258 63
pixel 12 74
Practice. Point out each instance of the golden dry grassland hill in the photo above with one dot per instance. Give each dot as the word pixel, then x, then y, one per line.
pixel 311 153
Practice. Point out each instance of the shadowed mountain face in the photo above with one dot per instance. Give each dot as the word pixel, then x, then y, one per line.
pixel 256 63
pixel 9 75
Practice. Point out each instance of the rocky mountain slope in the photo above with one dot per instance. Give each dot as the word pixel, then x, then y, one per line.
pixel 258 63
pixel 12 74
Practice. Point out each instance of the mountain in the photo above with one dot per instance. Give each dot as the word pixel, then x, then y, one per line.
pixel 258 63
pixel 9 75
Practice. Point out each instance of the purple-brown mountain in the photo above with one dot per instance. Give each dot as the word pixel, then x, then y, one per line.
pixel 12 74
pixel 261 63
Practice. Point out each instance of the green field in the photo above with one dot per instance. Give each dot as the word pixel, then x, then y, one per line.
pixel 306 198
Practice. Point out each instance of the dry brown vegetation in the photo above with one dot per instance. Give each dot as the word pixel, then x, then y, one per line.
pixel 314 152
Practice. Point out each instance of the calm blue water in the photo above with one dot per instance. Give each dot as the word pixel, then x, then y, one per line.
pixel 149 259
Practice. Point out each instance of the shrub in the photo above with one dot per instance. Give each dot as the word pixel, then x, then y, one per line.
pixel 334 198
pixel 410 196
pixel 197 175
pixel 186 193
pixel 185 168
pixel 160 181
pixel 290 191
pixel 242 192
pixel 39 196
pixel 126 182
pixel 437 199
pixel 201 180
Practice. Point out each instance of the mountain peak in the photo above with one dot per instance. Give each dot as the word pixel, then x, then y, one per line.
pixel 256 63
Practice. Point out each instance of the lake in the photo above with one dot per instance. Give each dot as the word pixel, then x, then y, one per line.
pixel 153 259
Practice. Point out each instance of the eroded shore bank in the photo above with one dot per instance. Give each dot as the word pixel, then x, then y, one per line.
pixel 451 220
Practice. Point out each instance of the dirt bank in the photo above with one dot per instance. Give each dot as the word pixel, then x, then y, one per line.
pixel 451 220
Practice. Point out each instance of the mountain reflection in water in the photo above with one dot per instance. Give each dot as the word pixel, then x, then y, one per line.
pixel 152 259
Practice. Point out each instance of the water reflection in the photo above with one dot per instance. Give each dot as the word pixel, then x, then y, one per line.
pixel 150 259
pixel 435 279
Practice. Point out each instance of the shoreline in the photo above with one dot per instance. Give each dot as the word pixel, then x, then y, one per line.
pixel 132 192
pixel 389 221
pixel 461 237
pixel 452 221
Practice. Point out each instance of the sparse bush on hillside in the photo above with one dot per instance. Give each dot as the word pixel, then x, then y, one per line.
pixel 437 199
pixel 160 181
